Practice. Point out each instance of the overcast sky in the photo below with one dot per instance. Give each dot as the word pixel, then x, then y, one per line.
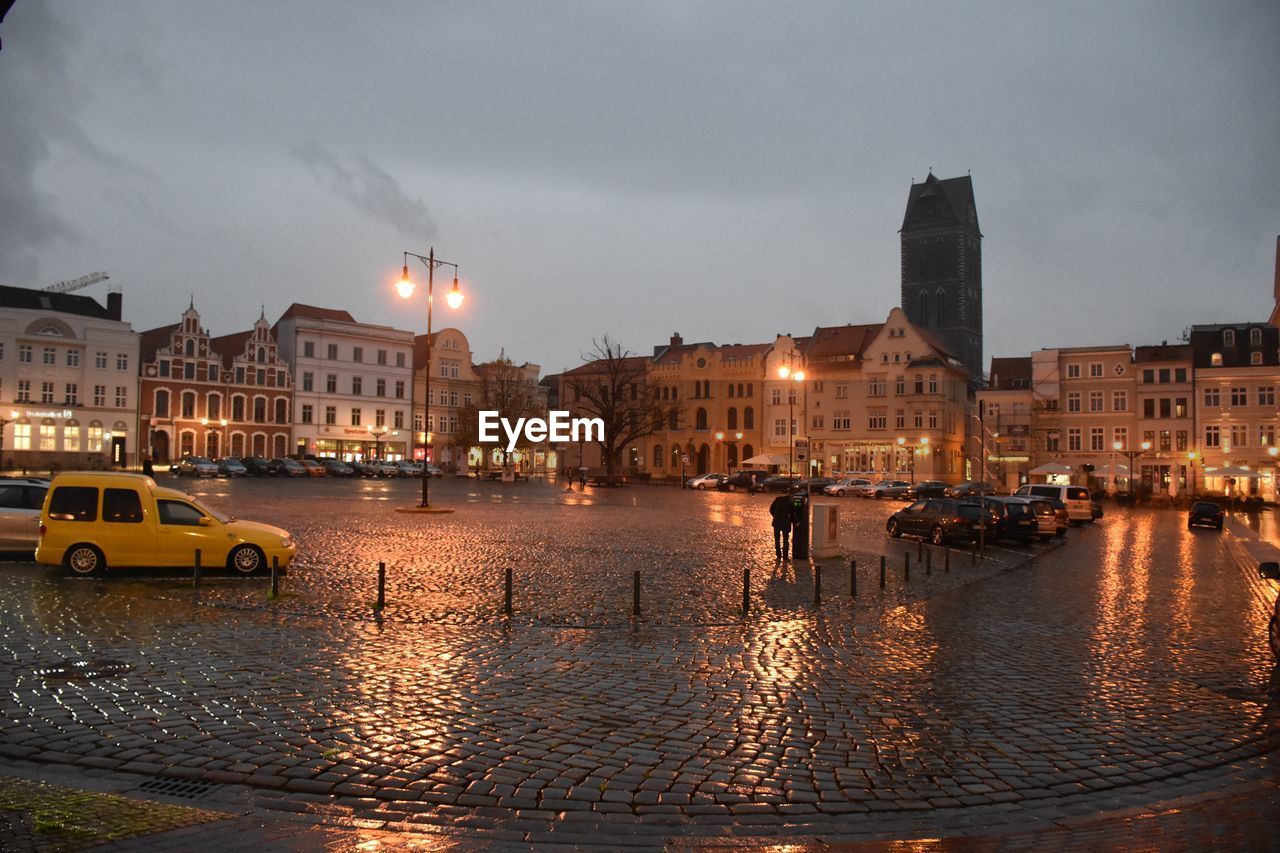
pixel 727 170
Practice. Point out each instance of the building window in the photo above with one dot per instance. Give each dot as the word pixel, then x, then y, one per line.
pixel 1180 440
pixel 1120 435
pixel 122 397
pixel 99 360
pixel 122 361
pixel 700 419
pixel 1149 407
pixel 355 417
pixel 1239 436
pixel 399 359
pixel 331 415
pixel 332 351
pixel 49 356
pixel 877 420
pixel 1255 337
pixel 1215 360
pixel 213 408
pixel 100 395
pixel 1095 369
pixel 189 370
pixel 357 354
pixel 1120 401
pixel 1073 438
pixel 1212 436
pixel 1239 397
pixel 400 391
pixel 48 436
pixel 46 392
pixel 1073 371
pixel 237 407
pixel 1267 435
pixel 357 386
pixel 189 405
pixel 308 380
pixel 380 389
pixel 1212 398
pixel 1229 337
pixel 22 436
pixel 842 390
pixel 380 417
pixel 877 387
pixel 331 383
pixel 1266 395
pixel 282 411
pixel 1073 401
pixel 1180 407
pixel 309 349
pixel 73 358
pixel 306 413
pixel 398 421
pixel 1051 441
pixel 748 418
pixel 162 403
pixel 24 354
pixel 382 356
pixel 1255 358
pixel 71 439
pixel 775 397
pixel 1095 401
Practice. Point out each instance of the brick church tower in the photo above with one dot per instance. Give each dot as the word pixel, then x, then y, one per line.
pixel 942 266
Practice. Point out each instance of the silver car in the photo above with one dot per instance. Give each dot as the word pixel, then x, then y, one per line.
pixel 847 486
pixel 20 503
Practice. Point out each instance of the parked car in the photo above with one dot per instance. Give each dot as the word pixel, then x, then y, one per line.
pixel 337 468
pixel 409 468
pixel 196 466
pixel 256 466
pixel 941 520
pixel 846 486
pixel 90 521
pixel 286 468
pixel 748 481
pixel 434 471
pixel 231 466
pixel 818 485
pixel 779 483
pixel 1048 525
pixel 20 501
pixel 1015 519
pixel 970 489
pixel 706 481
pixel 926 489
pixel 887 489
pixel 382 468
pixel 314 468
pixel 1076 498
pixel 1205 513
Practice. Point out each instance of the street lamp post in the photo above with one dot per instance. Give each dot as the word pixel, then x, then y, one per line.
pixel 913 449
pixel 377 432
pixel 405 288
pixel 796 376
pixel 1132 455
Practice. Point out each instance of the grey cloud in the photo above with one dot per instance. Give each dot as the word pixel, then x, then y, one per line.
pixel 368 187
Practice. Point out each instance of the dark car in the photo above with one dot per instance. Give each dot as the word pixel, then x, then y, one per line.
pixel 744 481
pixel 256 466
pixel 970 489
pixel 337 468
pixel 941 520
pixel 1206 513
pixel 231 466
pixel 780 483
pixel 926 489
pixel 1015 519
pixel 818 485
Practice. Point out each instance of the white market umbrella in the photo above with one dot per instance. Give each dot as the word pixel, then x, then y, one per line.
pixel 1050 468
pixel 1232 471
pixel 1108 470
pixel 765 459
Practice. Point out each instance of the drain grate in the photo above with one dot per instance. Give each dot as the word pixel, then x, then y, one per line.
pixel 84 668
pixel 185 789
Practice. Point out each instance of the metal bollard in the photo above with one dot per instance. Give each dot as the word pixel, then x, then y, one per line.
pixel 195 571
pixel 382 586
pixel 946 560
pixel 635 593
pixel 973 555
pixel 275 576
pixel 906 566
pixel 882 572
pixel 853 578
pixel 928 562
pixel 817 583
pixel 506 599
pixel 920 551
pixel 746 591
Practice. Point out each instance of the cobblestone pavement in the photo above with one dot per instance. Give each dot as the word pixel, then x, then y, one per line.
pixel 1123 669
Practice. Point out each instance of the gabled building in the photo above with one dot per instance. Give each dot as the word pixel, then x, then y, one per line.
pixel 68 381
pixel 454 386
pixel 213 397
pixel 1002 431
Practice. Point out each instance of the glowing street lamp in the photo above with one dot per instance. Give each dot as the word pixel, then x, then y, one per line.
pixel 405 287
pixel 1132 455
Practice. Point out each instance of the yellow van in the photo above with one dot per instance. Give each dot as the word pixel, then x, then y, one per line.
pixel 91 520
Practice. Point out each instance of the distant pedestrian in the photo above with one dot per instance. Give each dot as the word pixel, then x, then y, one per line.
pixel 147 467
pixel 582 478
pixel 780 511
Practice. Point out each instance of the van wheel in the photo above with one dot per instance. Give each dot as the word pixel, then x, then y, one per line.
pixel 938 537
pixel 246 559
pixel 83 559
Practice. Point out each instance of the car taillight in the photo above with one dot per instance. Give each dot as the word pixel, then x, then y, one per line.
pixel 43 530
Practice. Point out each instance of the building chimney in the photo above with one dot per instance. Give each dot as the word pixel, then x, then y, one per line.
pixel 115 304
pixel 676 340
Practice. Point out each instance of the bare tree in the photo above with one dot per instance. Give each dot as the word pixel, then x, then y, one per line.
pixel 611 385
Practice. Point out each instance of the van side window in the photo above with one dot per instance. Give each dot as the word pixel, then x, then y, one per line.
pixel 121 505
pixel 11 497
pixel 177 512
pixel 74 503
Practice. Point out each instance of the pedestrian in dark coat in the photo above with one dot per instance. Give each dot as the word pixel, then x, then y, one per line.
pixel 147 467
pixel 780 511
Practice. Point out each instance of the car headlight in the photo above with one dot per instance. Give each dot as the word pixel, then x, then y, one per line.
pixel 286 541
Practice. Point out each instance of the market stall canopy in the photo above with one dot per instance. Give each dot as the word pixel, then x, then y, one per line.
pixel 766 459
pixel 1117 469
pixel 1232 471
pixel 1051 468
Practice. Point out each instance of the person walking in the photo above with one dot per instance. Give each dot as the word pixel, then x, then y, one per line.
pixel 780 511
pixel 147 467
